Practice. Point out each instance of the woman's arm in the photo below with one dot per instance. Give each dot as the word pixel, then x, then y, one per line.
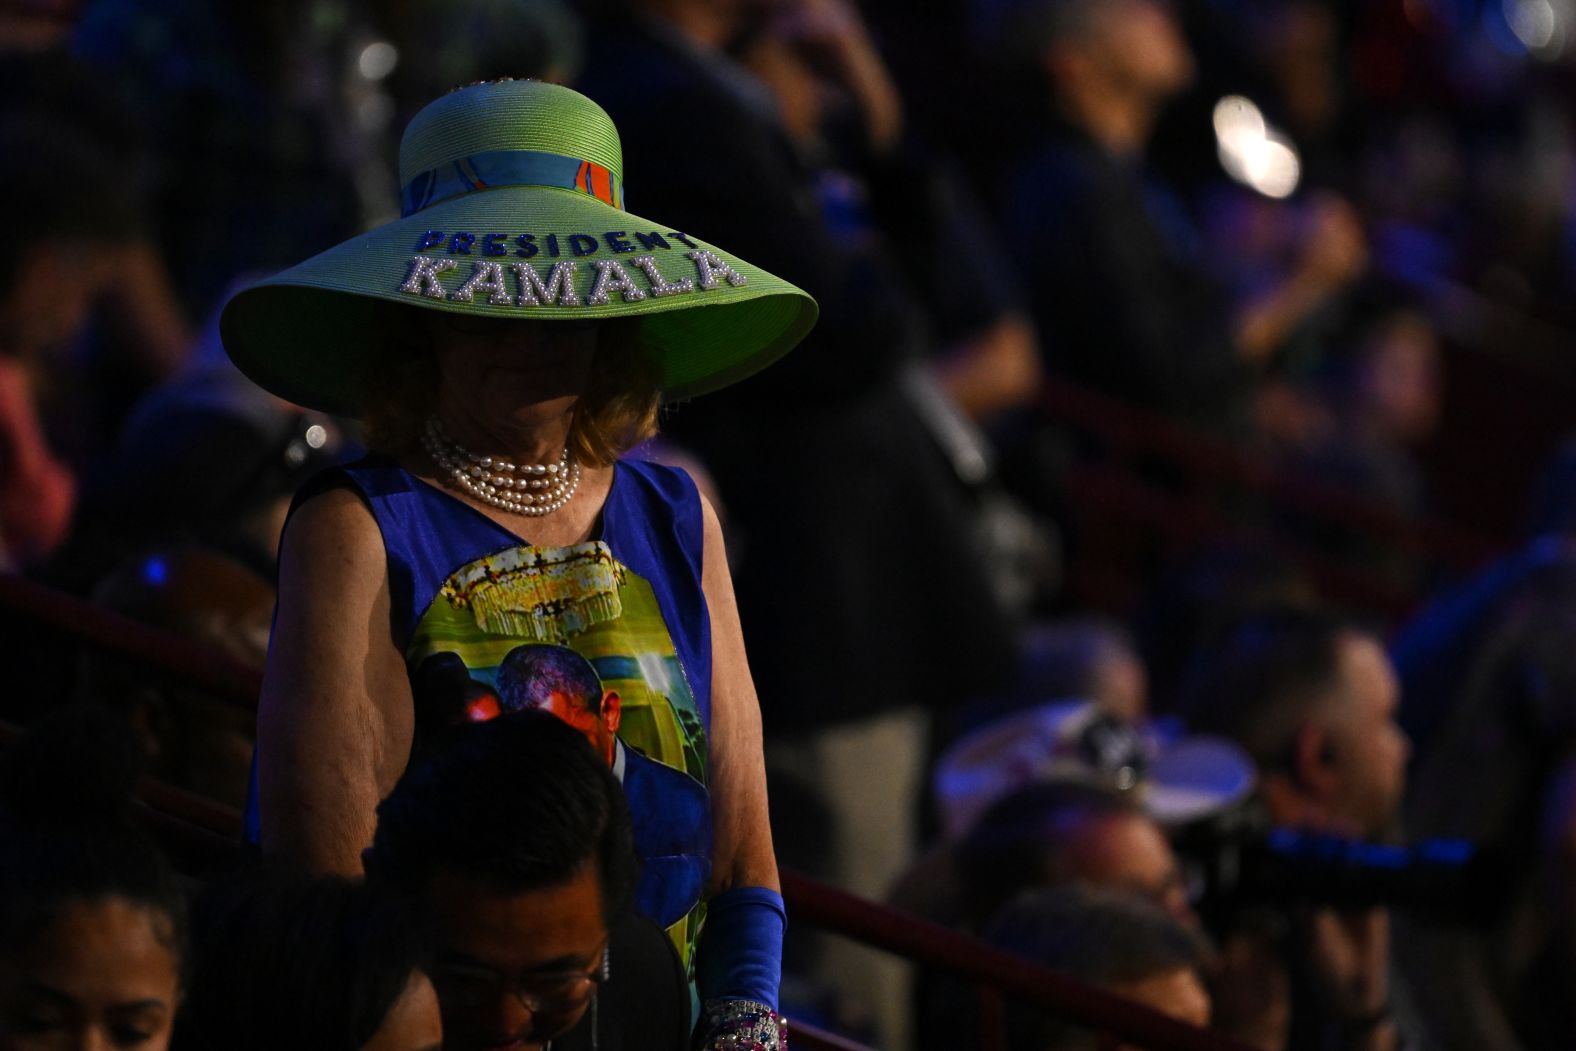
pixel 738 963
pixel 742 837
pixel 335 721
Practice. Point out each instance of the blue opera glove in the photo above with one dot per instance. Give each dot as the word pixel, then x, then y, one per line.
pixel 738 968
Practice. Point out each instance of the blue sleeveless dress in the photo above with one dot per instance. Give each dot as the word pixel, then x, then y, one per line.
pixel 473 604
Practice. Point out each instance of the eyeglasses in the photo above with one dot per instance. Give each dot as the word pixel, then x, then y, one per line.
pixel 550 993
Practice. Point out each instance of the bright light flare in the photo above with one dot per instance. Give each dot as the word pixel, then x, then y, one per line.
pixel 377 60
pixel 1238 121
pixel 1542 26
pixel 1252 152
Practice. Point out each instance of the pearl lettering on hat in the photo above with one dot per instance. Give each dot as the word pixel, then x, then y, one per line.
pixel 660 286
pixel 486 277
pixel 612 277
pixel 560 286
pixel 423 279
pixel 494 244
pixel 709 267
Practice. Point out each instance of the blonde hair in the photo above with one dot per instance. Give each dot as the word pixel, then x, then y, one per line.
pixel 616 412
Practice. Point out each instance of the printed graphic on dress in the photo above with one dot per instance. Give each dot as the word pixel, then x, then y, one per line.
pixel 575 632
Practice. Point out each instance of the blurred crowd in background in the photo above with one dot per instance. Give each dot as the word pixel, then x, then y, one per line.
pixel 1201 361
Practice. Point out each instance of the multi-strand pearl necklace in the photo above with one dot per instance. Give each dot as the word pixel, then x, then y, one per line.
pixel 524 489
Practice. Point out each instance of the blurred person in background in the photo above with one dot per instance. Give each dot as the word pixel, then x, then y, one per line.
pixel 1314 702
pixel 1050 834
pixel 1091 657
pixel 1296 47
pixel 137 332
pixel 1520 160
pixel 1372 405
pixel 878 184
pixel 283 959
pixel 1064 834
pixel 92 918
pixel 1384 400
pixel 1204 594
pixel 192 739
pixel 1489 692
pixel 1073 657
pixel 59 251
pixel 178 524
pixel 511 840
pixel 883 189
pixel 1125 303
pixel 251 118
pixel 1054 833
pixel 205 458
pixel 1122 944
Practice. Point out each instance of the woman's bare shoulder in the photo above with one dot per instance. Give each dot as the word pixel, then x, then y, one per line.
pixel 714 544
pixel 333 592
pixel 331 532
pixel 707 510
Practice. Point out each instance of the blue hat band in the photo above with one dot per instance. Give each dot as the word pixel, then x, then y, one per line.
pixel 485 171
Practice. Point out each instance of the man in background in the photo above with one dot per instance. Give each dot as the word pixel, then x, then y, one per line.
pixel 1123 944
pixel 1124 300
pixel 1313 700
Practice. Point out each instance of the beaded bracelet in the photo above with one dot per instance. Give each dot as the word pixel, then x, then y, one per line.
pixel 741 1025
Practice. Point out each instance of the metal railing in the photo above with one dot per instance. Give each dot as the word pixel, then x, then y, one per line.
pixel 1130 432
pixel 1143 484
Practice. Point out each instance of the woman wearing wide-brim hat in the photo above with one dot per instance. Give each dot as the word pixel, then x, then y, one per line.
pixel 506 342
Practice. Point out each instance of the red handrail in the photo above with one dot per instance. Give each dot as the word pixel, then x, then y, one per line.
pixel 945 949
pixel 211 670
pixel 200 834
pixel 210 831
pixel 1189 520
pixel 1129 427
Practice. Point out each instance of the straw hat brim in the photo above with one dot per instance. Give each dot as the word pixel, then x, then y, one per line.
pixel 307 333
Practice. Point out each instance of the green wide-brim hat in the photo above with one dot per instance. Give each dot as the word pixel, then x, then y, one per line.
pixel 512 193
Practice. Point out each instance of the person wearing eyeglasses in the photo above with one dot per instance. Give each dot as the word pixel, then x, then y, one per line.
pixel 511 840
